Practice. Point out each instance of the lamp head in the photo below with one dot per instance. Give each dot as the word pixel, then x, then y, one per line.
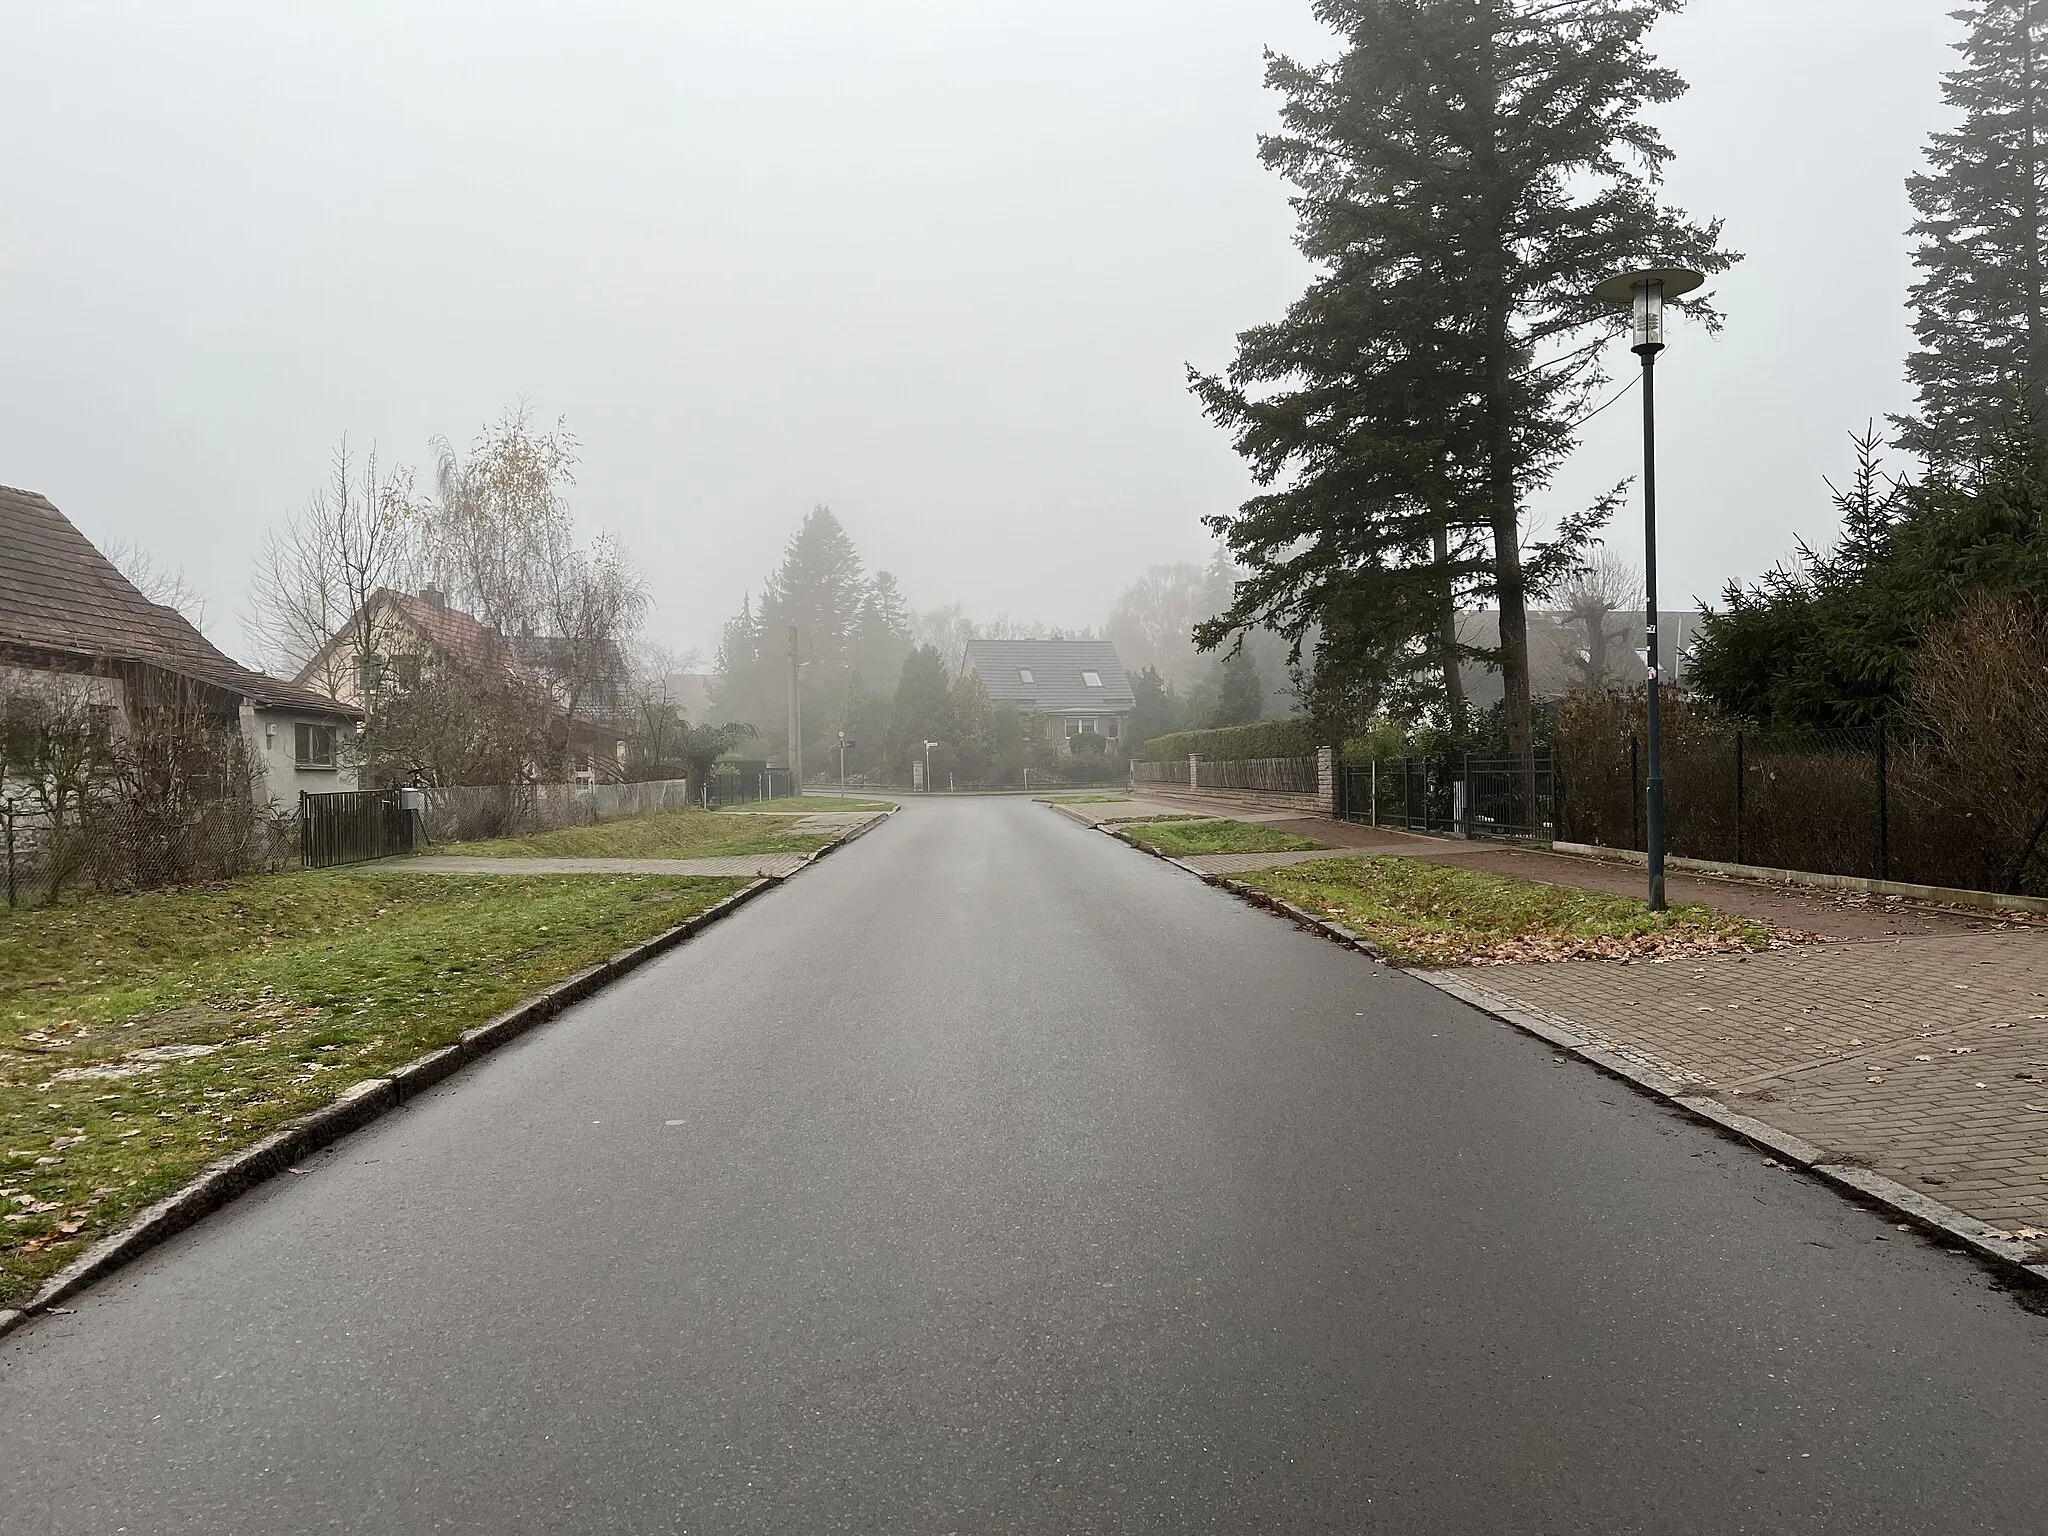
pixel 1644 293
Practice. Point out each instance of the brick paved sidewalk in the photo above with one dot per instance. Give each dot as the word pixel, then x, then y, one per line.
pixel 1923 1058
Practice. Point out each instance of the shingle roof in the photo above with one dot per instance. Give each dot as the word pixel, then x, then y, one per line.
pixel 59 593
pixel 1056 685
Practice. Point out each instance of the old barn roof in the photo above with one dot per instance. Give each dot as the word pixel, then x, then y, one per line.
pixel 58 593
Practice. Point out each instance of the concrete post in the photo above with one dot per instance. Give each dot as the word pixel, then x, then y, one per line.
pixel 1326 779
pixel 1194 772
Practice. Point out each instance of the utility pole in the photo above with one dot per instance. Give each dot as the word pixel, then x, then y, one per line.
pixel 796 721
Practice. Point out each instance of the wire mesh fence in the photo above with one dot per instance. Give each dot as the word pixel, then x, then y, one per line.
pixel 1870 803
pixel 107 845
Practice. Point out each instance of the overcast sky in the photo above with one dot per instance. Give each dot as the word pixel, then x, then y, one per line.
pixel 937 263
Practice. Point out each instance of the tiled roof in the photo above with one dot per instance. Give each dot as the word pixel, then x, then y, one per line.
pixel 59 593
pixel 477 648
pixel 1057 686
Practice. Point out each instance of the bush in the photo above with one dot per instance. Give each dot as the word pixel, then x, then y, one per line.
pixel 1269 738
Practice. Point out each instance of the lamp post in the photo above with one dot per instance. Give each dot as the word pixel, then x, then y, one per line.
pixel 1644 293
pixel 843 745
pixel 928 766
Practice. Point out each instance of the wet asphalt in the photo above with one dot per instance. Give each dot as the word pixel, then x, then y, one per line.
pixel 993 1177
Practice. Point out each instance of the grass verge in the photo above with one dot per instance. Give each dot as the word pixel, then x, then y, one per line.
pixel 143 1037
pixel 657 835
pixel 1153 818
pixel 1437 914
pixel 1083 799
pixel 1180 840
pixel 809 805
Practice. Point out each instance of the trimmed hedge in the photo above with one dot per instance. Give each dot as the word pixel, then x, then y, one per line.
pixel 1269 738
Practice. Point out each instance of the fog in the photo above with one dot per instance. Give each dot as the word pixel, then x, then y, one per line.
pixel 938 263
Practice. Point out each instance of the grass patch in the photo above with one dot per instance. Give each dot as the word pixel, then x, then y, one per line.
pixel 656 835
pixel 1438 914
pixel 1083 799
pixel 143 1037
pixel 809 805
pixel 1154 818
pixel 1180 840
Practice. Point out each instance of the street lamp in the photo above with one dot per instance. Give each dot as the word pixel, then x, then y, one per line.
pixel 843 745
pixel 928 766
pixel 1645 293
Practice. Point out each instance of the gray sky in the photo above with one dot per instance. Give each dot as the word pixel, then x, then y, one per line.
pixel 938 263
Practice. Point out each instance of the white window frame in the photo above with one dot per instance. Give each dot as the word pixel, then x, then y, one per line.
pixel 1024 676
pixel 1091 678
pixel 305 735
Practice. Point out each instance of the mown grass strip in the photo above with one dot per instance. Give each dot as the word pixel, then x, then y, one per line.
pixel 1425 914
pixel 809 805
pixel 1180 840
pixel 657 835
pixel 143 1037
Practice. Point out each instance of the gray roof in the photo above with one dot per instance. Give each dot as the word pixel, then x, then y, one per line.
pixel 59 593
pixel 1055 666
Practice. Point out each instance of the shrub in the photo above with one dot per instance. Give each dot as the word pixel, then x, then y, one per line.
pixel 1269 738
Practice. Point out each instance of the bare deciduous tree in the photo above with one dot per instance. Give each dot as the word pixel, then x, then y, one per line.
pixel 166 586
pixel 1600 589
pixel 497 526
pixel 315 575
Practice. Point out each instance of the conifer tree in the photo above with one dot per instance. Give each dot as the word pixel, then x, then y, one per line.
pixel 1468 170
pixel 1981 364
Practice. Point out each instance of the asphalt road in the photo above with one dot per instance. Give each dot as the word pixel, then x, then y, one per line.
pixel 993 1177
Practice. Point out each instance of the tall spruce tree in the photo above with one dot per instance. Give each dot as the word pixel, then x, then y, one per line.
pixel 1981 318
pixel 1468 170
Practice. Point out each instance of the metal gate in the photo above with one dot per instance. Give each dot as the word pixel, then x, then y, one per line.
pixel 354 826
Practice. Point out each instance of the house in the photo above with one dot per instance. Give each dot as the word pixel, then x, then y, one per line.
pixel 401 638
pixel 68 616
pixel 1067 689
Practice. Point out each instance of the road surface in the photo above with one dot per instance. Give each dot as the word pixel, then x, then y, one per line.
pixel 993 1177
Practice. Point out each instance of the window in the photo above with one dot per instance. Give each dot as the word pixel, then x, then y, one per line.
pixel 1024 676
pixel 1082 727
pixel 313 746
pixel 1112 729
pixel 1092 679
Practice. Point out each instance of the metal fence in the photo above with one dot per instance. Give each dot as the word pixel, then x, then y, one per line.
pixel 1459 796
pixel 744 788
pixel 355 826
pixel 109 845
pixel 1868 803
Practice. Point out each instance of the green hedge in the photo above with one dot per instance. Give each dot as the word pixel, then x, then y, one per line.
pixel 1269 738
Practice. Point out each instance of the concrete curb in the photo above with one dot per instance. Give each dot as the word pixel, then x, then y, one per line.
pixel 854 836
pixel 2023 1262
pixel 2020 1261
pixel 356 1107
pixel 1757 874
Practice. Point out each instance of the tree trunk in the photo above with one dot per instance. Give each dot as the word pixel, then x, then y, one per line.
pixel 1503 504
pixel 1447 625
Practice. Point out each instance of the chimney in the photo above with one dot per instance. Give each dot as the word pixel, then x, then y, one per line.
pixel 433 597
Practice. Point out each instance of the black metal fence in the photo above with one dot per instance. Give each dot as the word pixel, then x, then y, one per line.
pixel 1460 796
pixel 747 788
pixel 354 826
pixel 1265 775
pixel 1867 803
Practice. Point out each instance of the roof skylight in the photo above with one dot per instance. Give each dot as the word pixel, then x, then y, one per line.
pixel 1092 679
